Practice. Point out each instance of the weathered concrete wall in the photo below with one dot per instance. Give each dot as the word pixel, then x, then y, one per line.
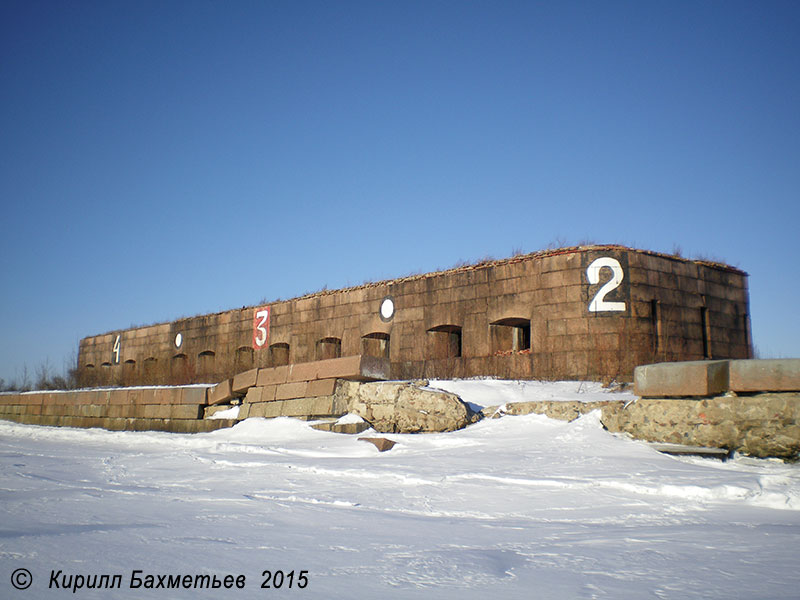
pixel 550 315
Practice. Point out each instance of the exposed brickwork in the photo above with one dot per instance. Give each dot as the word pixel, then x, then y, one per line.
pixel 524 317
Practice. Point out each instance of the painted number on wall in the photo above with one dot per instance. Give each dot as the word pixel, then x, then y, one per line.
pixel 260 327
pixel 115 350
pixel 599 302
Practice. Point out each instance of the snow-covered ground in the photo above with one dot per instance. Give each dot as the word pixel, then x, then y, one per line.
pixel 517 507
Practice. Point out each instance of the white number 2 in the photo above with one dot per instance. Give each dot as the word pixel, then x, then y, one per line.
pixel 115 350
pixel 599 303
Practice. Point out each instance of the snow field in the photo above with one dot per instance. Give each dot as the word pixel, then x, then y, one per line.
pixel 520 507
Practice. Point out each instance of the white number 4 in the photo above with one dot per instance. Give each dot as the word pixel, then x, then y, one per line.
pixel 115 350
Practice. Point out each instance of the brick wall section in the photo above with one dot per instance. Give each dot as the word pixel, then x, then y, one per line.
pixel 548 290
pixel 178 409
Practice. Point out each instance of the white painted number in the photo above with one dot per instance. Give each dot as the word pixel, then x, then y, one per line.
pixel 260 328
pixel 599 303
pixel 115 350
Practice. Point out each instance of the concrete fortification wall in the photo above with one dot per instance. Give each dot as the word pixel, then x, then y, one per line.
pixel 591 312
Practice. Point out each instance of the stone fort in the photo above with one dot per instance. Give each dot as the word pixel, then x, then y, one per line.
pixel 587 312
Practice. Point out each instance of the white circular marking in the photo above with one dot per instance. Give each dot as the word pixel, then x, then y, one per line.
pixel 387 308
pixel 178 340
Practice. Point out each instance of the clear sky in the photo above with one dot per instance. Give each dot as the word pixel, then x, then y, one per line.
pixel 166 159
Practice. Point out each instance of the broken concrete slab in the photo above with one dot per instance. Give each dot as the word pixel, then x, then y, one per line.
pixel 382 444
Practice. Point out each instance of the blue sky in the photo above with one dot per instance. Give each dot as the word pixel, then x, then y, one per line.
pixel 166 159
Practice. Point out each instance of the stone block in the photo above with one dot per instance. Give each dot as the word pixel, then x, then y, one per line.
pixel 322 406
pixel 297 407
pixel 347 428
pixel 186 411
pixel 193 395
pixel 681 379
pixel 253 395
pixel 155 411
pixel 382 444
pixel 243 381
pixel 303 371
pixel 358 368
pixel 272 375
pixel 321 387
pixel 768 375
pixel 287 391
pixel 222 392
pixel 272 409
pixel 118 397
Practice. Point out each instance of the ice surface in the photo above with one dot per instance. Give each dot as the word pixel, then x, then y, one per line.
pixel 518 507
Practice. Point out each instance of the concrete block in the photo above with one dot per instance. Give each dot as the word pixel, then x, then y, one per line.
pixel 272 409
pixel 273 375
pixel 303 371
pixel 222 392
pixel 322 406
pixel 253 395
pixel 358 368
pixel 118 397
pixel 382 444
pixel 349 428
pixel 321 387
pixel 155 411
pixel 243 381
pixel 287 391
pixel 679 379
pixel 297 407
pixel 769 375
pixel 193 395
pixel 186 411
pixel 268 392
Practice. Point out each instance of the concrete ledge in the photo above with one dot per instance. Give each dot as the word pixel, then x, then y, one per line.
pixel 125 424
pixel 682 379
pixel 770 375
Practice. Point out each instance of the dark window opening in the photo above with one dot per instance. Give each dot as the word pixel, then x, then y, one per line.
pixel 329 347
pixel 128 372
pixel 178 365
pixel 375 344
pixel 149 368
pixel 205 362
pixel 510 335
pixel 704 325
pixel 243 360
pixel 444 341
pixel 279 354
pixel 655 322
pixel 747 341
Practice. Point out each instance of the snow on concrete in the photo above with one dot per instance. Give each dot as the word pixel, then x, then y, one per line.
pixel 483 392
pixel 518 507
pixel 228 413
